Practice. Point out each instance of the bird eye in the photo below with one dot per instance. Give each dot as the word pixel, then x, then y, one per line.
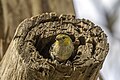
pixel 63 37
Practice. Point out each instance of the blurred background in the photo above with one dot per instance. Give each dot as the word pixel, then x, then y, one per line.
pixel 105 13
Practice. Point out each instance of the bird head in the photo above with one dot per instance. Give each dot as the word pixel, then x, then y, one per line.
pixel 63 39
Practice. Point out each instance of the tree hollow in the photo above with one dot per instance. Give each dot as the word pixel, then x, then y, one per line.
pixel 28 58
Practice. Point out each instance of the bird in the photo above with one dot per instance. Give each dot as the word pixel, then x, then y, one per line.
pixel 62 48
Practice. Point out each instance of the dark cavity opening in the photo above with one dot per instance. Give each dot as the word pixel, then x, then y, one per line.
pixel 43 45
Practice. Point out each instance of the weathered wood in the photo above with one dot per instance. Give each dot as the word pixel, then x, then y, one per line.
pixel 12 12
pixel 27 57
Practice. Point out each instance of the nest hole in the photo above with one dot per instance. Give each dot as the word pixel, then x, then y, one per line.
pixel 43 45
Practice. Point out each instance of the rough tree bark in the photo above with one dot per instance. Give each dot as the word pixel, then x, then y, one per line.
pixel 12 12
pixel 27 57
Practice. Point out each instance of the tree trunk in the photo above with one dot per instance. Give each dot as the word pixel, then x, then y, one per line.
pixel 12 12
pixel 27 57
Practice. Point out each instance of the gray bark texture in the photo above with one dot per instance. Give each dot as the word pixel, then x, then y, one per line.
pixel 12 12
pixel 28 58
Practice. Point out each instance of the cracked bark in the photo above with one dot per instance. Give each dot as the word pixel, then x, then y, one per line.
pixel 27 57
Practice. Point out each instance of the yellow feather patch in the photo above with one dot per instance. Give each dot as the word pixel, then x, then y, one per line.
pixel 64 40
pixel 67 41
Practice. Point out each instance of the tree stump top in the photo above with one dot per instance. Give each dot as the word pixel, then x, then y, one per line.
pixel 35 35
